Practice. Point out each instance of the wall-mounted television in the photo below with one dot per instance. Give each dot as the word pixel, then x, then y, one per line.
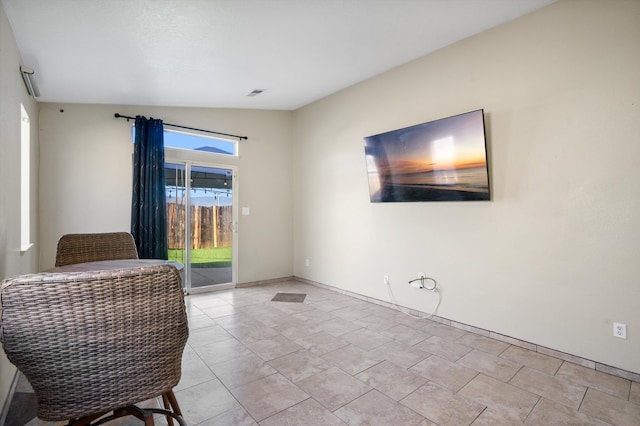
pixel 440 160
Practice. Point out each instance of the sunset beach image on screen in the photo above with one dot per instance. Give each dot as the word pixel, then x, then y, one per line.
pixel 441 160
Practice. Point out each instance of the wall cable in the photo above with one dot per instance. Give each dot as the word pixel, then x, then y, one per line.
pixel 394 301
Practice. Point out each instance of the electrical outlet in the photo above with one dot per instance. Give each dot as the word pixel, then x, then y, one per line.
pixel 307 262
pixel 386 279
pixel 620 330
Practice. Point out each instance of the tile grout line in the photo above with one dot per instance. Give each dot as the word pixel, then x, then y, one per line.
pixel 583 397
pixel 532 409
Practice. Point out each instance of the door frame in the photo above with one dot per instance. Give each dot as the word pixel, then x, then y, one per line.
pixel 203 159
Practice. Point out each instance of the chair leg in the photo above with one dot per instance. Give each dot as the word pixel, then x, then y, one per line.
pixel 148 420
pixel 175 407
pixel 174 402
pixel 167 406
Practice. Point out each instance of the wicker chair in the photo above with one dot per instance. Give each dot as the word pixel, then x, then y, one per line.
pixel 80 248
pixel 93 344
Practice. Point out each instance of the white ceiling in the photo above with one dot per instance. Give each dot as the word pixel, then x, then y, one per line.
pixel 212 53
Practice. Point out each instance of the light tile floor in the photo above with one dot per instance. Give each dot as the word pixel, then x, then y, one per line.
pixel 336 360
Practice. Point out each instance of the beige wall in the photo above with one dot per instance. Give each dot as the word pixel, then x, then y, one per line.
pixel 553 259
pixel 12 94
pixel 85 177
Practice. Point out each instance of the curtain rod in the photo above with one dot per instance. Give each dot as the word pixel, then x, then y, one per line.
pixel 116 115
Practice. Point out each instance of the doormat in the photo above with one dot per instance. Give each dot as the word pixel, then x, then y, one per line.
pixel 289 297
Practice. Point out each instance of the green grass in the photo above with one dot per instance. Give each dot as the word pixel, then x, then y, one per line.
pixel 219 257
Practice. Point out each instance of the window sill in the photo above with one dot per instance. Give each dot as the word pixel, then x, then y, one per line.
pixel 25 248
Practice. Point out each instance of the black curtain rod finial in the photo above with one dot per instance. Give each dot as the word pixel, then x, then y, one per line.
pixel 116 115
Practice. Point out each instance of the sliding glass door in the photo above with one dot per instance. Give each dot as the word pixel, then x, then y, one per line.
pixel 201 223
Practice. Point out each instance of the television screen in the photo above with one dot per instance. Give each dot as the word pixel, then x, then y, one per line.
pixel 441 160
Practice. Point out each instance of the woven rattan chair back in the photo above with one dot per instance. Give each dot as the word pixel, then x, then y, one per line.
pixel 80 248
pixel 91 342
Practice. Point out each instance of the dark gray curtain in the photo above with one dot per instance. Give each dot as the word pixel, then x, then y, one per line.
pixel 148 209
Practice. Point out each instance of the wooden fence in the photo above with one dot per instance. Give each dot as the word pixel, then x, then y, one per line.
pixel 210 226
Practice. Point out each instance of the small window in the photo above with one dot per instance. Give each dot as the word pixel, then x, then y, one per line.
pixel 25 182
pixel 196 142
